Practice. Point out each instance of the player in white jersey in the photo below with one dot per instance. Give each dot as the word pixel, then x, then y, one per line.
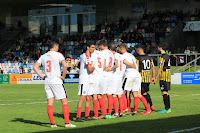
pixel 54 88
pixel 132 80
pixel 97 78
pixel 118 74
pixel 84 83
pixel 108 62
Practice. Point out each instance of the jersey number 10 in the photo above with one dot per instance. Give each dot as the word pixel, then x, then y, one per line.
pixel 147 64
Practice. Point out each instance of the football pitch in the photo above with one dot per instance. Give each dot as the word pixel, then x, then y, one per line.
pixel 23 110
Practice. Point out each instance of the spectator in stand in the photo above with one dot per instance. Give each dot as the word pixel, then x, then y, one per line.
pixel 1 71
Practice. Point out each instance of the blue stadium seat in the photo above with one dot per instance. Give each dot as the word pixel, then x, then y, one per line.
pixel 74 56
pixel 15 71
pixel 146 34
pixel 68 43
pixel 173 25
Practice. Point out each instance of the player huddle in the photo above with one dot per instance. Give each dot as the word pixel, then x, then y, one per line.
pixel 107 72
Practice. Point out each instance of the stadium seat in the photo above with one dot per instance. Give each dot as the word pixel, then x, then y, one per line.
pixel 146 34
pixel 74 56
pixel 173 25
pixel 26 70
pixel 5 71
pixel 68 43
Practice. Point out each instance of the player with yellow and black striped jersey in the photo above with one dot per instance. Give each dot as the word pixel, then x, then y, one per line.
pixel 165 77
pixel 145 66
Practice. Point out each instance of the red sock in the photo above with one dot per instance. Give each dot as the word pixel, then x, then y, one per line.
pixel 66 113
pixel 95 107
pixel 136 103
pixel 124 101
pixel 110 103
pixel 50 113
pixel 87 111
pixel 115 103
pixel 145 103
pixel 129 106
pixel 120 104
pixel 79 110
pixel 104 105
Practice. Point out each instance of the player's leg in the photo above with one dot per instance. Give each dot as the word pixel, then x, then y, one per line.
pixel 128 101
pixel 65 108
pixel 144 91
pixel 120 105
pixel 125 107
pixel 165 86
pixel 95 106
pixel 115 104
pixel 49 95
pixel 124 96
pixel 50 112
pixel 102 102
pixel 136 102
pixel 79 108
pixel 87 108
pixel 144 101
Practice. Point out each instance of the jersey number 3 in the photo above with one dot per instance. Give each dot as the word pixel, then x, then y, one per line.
pixel 48 66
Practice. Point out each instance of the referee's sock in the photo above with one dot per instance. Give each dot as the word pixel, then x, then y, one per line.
pixel 149 99
pixel 95 107
pixel 124 101
pixel 136 103
pixel 144 101
pixel 50 113
pixel 65 108
pixel 87 111
pixel 115 103
pixel 79 110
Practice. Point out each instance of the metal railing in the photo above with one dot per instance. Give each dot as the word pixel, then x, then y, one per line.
pixel 190 61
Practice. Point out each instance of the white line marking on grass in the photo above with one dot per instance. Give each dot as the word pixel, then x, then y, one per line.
pixel 185 130
pixel 34 103
pixel 70 100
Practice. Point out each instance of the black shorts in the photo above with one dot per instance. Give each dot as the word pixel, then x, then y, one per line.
pixel 144 87
pixel 124 82
pixel 164 86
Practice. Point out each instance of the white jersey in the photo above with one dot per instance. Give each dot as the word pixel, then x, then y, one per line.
pixel 130 72
pixel 109 58
pixel 84 73
pixel 51 61
pixel 119 71
pixel 97 62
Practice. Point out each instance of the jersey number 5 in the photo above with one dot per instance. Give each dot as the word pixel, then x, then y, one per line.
pixel 98 59
pixel 48 66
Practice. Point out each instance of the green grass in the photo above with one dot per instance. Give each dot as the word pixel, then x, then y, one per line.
pixel 18 115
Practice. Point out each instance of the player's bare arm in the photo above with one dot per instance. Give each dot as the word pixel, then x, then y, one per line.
pixel 153 80
pixel 64 70
pixel 114 67
pixel 90 68
pixel 35 68
pixel 133 65
pixel 159 71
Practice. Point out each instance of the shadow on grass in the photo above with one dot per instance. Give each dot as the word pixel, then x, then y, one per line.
pixel 31 122
pixel 139 126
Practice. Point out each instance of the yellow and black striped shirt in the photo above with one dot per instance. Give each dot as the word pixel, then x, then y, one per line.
pixel 164 63
pixel 145 64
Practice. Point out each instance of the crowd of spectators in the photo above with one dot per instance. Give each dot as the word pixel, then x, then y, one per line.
pixel 152 28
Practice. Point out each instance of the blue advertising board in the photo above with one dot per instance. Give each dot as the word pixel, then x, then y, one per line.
pixel 71 78
pixel 190 78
